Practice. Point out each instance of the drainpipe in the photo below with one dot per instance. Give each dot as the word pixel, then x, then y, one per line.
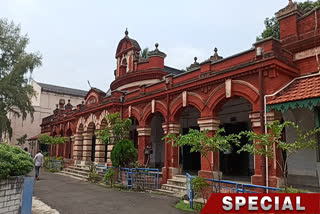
pixel 265 111
pixel 166 145
pixel 262 119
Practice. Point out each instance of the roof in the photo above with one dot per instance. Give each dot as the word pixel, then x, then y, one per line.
pixel 33 138
pixel 62 90
pixel 300 89
pixel 173 71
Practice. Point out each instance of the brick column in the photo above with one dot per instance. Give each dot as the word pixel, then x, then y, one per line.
pixel 109 148
pixel 212 162
pixel 171 166
pixel 144 134
pixel 259 177
pixel 77 148
pixel 72 147
pixel 100 151
pixel 87 147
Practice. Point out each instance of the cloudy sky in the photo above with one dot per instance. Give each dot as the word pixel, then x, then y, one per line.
pixel 78 38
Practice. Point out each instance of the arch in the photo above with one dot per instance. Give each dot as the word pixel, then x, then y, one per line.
pixel 193 99
pixel 91 119
pixel 134 113
pixel 102 119
pixel 147 113
pixel 240 88
pixel 80 124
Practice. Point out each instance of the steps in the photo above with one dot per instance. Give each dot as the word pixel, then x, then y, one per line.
pixel 77 171
pixel 175 186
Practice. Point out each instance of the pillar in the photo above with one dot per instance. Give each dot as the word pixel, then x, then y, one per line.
pixel 72 147
pixel 259 177
pixel 171 165
pixel 87 148
pixel 77 148
pixel 210 165
pixel 99 151
pixel 144 133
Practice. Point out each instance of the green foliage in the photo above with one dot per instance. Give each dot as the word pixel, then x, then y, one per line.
pixel 198 184
pixel 144 53
pixel 14 161
pixel 93 174
pixel 22 140
pixel 272 27
pixel 263 143
pixel 46 139
pixel 15 65
pixel 293 190
pixel 52 170
pixel 116 130
pixel 110 176
pixel 124 154
pixel 59 158
pixel 309 5
pixel 201 142
pixel 183 206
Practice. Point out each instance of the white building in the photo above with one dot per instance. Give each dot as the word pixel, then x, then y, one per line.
pixel 46 100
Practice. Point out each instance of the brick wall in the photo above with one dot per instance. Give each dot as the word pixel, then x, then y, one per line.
pixel 11 195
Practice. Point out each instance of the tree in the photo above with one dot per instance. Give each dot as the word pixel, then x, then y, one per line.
pixel 48 140
pixel 123 154
pixel 144 53
pixel 272 27
pixel 264 143
pixel 116 130
pixel 15 65
pixel 201 142
pixel 22 140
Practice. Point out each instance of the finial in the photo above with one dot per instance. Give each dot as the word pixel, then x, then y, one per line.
pixel 57 105
pixel 290 2
pixel 157 45
pixel 82 102
pixel 216 50
pixel 126 32
pixel 69 101
pixel 195 59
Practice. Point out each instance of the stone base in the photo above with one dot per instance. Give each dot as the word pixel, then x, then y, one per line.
pixel 273 181
pixel 210 175
pixel 100 163
pixel 168 174
pixel 85 163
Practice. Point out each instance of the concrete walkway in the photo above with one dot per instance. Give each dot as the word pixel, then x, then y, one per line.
pixel 68 195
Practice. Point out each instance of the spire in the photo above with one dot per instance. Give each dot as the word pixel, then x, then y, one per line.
pixel 290 2
pixel 215 56
pixel 126 32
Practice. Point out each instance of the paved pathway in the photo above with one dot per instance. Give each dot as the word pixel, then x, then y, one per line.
pixel 68 195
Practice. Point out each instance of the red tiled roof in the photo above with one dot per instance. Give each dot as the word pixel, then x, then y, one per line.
pixel 33 138
pixel 300 89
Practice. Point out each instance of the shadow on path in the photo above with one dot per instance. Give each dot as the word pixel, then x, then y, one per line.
pixel 72 196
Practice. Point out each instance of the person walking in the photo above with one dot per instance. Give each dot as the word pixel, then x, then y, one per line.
pixel 38 162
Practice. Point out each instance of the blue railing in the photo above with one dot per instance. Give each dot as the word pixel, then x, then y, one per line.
pixel 145 178
pixel 227 187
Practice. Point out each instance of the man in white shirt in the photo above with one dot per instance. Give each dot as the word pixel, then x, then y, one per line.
pixel 38 162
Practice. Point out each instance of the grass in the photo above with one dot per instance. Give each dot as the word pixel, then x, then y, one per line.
pixel 185 207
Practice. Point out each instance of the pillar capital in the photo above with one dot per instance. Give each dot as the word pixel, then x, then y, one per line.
pixel 144 131
pixel 271 116
pixel 208 123
pixel 174 128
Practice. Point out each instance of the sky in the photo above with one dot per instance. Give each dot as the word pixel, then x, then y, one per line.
pixel 78 38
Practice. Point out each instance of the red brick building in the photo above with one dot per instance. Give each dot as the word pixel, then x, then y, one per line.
pixel 218 92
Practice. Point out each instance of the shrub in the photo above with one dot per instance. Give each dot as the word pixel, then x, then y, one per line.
pixel 109 176
pixel 123 154
pixel 14 161
pixel 93 174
